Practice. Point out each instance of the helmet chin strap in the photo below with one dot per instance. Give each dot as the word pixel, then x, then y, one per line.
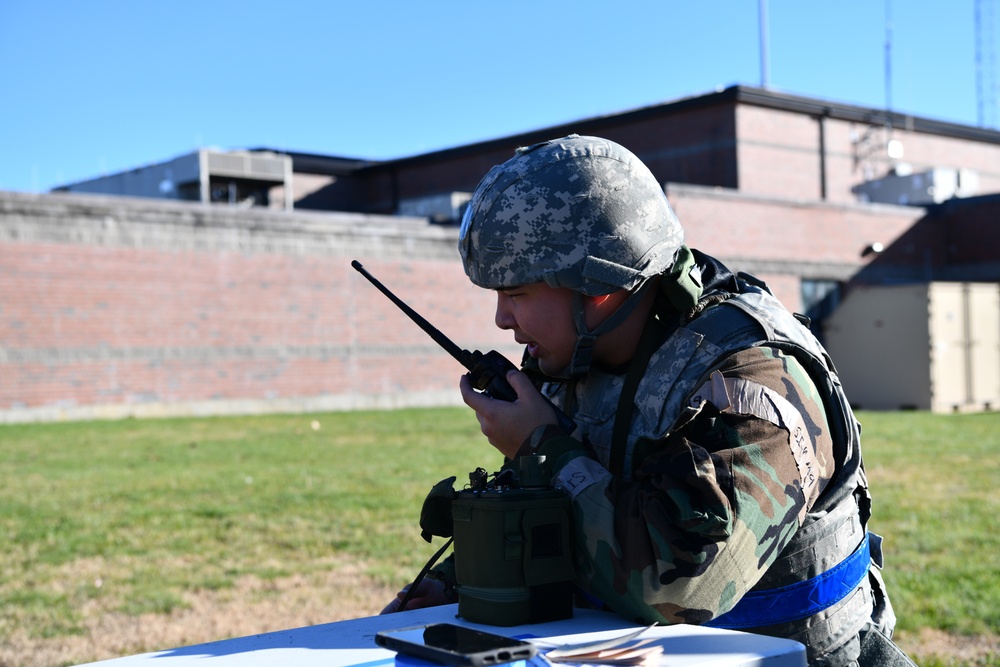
pixel 583 352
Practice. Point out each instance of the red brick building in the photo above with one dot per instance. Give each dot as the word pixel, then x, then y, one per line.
pixel 113 306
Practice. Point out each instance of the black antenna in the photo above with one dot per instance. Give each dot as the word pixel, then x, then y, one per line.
pixel 488 372
pixel 463 357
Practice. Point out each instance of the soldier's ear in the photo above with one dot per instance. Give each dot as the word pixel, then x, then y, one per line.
pixel 606 304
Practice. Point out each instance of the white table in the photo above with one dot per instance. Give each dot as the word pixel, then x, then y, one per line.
pixel 352 644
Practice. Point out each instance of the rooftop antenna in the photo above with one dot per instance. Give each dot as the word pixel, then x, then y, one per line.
pixel 986 66
pixel 765 75
pixel 893 147
pixel 888 65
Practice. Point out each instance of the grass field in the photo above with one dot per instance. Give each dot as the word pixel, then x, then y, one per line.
pixel 135 535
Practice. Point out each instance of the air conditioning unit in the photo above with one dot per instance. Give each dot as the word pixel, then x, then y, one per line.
pixel 255 166
pixel 921 189
pixel 442 208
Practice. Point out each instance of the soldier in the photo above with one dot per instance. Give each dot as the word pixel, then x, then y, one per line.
pixel 715 470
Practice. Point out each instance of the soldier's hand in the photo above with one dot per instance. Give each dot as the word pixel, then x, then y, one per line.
pixel 429 593
pixel 508 425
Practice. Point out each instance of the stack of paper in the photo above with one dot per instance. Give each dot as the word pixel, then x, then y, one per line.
pixel 623 650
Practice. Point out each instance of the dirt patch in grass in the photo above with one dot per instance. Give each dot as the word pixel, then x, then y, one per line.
pixel 342 591
pixel 252 606
pixel 931 644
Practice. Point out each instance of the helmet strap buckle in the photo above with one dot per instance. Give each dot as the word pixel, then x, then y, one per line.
pixel 583 354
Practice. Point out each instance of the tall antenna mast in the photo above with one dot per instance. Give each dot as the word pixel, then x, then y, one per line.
pixel 888 64
pixel 986 66
pixel 765 75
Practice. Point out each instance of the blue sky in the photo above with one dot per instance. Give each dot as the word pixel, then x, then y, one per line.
pixel 98 86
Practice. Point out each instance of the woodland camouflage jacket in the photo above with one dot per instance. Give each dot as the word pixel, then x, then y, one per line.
pixel 731 450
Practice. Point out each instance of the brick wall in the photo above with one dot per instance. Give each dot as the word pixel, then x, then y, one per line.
pixel 113 307
pixel 782 241
pixel 116 306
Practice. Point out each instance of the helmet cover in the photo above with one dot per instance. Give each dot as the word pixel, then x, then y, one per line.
pixel 577 212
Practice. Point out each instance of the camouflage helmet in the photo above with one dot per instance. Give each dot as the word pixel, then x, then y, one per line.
pixel 577 212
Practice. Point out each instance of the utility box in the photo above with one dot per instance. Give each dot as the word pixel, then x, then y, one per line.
pixel 929 346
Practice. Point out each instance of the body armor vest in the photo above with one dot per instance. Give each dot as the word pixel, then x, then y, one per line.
pixel 667 397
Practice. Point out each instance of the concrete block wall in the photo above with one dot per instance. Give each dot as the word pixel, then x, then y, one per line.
pixel 113 307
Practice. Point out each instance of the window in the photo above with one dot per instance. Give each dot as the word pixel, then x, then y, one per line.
pixel 819 299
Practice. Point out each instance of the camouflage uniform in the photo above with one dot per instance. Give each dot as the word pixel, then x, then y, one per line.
pixel 732 468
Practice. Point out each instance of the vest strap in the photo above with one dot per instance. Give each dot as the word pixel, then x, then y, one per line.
pixel 799 600
pixel 652 337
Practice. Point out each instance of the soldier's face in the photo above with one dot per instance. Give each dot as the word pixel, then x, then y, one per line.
pixel 541 318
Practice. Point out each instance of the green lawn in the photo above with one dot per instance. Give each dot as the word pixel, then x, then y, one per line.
pixel 196 503
pixel 936 481
pixel 168 506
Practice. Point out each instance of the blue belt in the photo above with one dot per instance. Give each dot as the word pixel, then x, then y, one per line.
pixel 801 599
